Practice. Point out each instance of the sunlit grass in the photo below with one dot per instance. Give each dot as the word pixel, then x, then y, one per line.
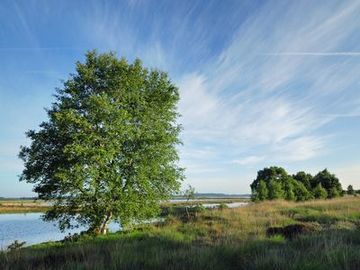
pixel 215 239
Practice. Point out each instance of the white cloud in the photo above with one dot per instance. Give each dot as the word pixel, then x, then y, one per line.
pixel 302 148
pixel 288 71
pixel 251 160
pixel 249 98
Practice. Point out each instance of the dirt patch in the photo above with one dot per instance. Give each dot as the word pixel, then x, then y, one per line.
pixel 293 230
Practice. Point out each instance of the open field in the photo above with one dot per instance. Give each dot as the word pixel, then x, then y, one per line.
pixel 216 239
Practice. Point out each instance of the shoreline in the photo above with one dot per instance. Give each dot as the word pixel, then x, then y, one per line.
pixel 19 206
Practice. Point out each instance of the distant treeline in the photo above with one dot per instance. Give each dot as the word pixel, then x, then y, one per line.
pixel 275 183
pixel 17 198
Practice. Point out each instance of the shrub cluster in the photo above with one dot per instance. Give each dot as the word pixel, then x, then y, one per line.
pixel 275 183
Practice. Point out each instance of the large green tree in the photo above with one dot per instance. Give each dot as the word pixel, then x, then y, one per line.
pixel 108 149
pixel 271 173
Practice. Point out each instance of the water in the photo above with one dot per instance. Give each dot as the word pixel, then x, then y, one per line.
pixel 32 229
pixel 230 205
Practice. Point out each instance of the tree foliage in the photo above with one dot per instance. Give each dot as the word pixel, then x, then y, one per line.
pixel 328 181
pixel 261 192
pixel 275 183
pixel 300 191
pixel 320 192
pixel 108 149
pixel 305 178
pixel 289 193
pixel 275 190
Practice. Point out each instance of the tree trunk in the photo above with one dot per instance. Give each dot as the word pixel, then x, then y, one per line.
pixel 104 226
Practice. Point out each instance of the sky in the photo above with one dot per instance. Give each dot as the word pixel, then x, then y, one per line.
pixel 262 83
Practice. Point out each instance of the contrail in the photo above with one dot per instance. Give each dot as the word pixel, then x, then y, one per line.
pixel 313 54
pixel 39 48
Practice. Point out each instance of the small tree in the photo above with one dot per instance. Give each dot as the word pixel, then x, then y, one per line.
pixel 320 192
pixel 108 150
pixel 275 190
pixel 189 194
pixel 350 190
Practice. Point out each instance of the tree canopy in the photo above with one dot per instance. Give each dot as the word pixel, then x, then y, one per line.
pixel 108 149
pixel 275 183
pixel 328 181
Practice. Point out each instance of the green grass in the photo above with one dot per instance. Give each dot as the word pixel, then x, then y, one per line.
pixel 215 239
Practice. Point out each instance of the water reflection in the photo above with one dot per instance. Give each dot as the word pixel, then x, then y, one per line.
pixel 30 228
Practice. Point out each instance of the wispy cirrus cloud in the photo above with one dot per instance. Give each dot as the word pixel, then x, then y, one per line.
pixel 273 106
pixel 313 54
pixel 250 160
pixel 261 83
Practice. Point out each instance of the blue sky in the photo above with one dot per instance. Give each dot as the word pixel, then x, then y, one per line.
pixel 262 82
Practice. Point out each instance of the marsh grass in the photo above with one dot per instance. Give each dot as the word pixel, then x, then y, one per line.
pixel 215 239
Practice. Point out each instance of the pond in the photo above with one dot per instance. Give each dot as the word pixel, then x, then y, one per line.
pixel 32 229
pixel 29 227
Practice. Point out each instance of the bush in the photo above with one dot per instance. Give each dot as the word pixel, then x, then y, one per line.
pixel 198 209
pixel 223 206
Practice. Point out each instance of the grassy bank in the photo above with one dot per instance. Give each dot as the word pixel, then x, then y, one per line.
pixel 216 239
